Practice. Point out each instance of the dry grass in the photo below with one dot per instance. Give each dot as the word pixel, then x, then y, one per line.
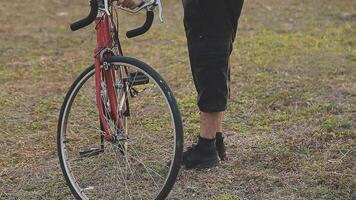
pixel 291 121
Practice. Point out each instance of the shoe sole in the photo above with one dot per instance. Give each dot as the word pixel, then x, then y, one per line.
pixel 204 165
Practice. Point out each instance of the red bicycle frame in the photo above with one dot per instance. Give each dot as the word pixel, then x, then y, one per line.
pixel 104 28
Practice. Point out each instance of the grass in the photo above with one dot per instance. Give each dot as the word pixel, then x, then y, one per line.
pixel 290 125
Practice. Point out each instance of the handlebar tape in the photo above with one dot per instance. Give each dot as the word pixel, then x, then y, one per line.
pixel 89 19
pixel 144 28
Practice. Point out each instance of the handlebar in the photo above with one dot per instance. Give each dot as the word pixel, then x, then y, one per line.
pixel 144 28
pixel 94 8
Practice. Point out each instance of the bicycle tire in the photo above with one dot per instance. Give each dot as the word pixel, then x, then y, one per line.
pixel 171 102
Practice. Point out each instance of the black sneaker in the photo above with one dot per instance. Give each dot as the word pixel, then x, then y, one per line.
pixel 220 146
pixel 201 155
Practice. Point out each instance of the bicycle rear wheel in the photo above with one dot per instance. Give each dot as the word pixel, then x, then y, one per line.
pixel 134 167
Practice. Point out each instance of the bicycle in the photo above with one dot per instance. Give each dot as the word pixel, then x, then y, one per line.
pixel 119 123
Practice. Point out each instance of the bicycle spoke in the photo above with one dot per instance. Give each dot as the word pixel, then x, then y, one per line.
pixel 121 172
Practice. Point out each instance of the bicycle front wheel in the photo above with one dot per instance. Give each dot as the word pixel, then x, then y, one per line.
pixel 142 165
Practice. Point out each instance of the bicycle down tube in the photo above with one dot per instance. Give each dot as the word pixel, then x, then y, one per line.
pixel 103 72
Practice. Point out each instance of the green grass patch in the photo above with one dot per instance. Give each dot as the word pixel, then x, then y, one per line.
pixel 336 127
pixel 43 107
pixel 4 101
pixel 226 197
pixel 7 74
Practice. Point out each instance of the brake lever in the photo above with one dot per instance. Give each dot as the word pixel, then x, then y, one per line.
pixel 160 10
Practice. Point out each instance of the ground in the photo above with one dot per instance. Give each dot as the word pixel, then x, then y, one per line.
pixel 291 122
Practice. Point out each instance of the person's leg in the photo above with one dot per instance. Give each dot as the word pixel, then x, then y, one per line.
pixel 210 123
pixel 209 63
pixel 209 44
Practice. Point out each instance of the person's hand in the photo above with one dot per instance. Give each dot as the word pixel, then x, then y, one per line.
pixel 132 4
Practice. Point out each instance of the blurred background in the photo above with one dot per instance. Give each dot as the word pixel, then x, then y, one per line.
pixel 291 124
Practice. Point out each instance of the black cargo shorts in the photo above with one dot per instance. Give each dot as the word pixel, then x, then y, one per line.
pixel 210 26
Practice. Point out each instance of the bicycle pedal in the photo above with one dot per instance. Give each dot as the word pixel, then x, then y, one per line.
pixel 138 78
pixel 90 152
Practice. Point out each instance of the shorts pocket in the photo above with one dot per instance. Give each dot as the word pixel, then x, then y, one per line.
pixel 194 20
